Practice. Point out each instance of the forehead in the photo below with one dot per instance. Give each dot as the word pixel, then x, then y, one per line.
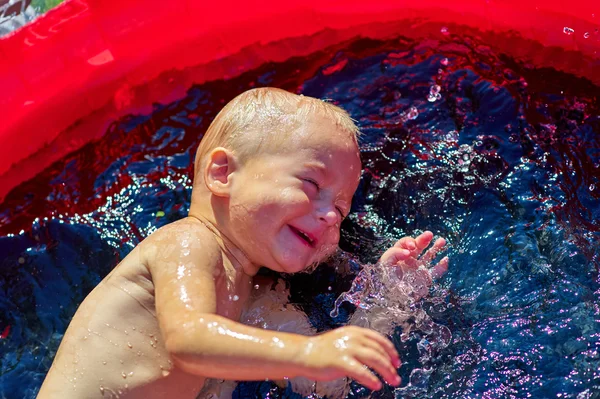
pixel 320 141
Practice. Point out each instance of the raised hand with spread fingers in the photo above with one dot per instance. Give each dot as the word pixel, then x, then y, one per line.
pixel 414 266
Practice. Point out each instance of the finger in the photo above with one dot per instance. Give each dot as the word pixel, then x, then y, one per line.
pixel 393 256
pixel 362 375
pixel 381 365
pixel 407 243
pixel 433 251
pixel 375 346
pixel 386 344
pixel 442 267
pixel 423 240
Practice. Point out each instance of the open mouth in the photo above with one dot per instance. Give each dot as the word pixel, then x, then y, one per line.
pixel 303 236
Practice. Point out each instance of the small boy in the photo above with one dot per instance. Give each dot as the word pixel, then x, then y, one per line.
pixel 274 178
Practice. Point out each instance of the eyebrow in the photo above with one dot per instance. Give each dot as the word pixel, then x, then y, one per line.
pixel 318 167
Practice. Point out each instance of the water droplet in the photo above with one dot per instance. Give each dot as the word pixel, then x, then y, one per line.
pixel 104 362
pixel 123 375
pixel 444 30
pixel 434 93
pixel 444 61
pixel 568 31
pixel 131 373
pixel 592 187
pixel 586 35
pixel 329 288
pixel 101 389
pixel 413 113
pixel 256 287
pixel 165 373
pixel 236 298
pixel 129 345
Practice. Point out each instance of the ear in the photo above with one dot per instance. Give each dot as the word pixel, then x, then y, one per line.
pixel 217 173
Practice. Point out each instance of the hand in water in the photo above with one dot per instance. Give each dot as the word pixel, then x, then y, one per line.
pixel 414 268
pixel 351 351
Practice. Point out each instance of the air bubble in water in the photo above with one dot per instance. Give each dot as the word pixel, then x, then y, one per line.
pixel 592 187
pixel 586 35
pixel 444 30
pixel 568 31
pixel 444 61
pixel 420 377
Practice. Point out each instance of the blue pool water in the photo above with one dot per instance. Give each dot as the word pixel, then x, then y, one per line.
pixel 500 157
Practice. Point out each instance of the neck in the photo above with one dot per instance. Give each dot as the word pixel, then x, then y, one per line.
pixel 238 258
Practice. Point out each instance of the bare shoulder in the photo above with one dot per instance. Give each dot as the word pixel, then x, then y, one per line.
pixel 186 238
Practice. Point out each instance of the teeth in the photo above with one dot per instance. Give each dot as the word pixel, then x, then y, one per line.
pixel 305 236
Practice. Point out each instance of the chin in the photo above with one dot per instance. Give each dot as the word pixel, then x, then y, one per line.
pixel 290 266
pixel 293 268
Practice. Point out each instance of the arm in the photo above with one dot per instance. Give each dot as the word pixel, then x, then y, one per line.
pixel 204 343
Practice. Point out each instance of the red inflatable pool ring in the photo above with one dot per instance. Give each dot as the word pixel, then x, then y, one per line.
pixel 67 75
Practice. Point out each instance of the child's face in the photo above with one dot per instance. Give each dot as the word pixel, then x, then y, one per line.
pixel 286 206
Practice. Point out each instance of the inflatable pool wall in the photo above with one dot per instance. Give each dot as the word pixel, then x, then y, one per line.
pixel 68 74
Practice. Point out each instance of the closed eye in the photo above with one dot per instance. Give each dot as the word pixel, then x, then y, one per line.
pixel 314 183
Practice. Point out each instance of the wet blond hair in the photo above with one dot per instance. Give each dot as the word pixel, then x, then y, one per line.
pixel 262 119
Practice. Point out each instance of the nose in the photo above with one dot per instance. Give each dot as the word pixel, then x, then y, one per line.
pixel 329 215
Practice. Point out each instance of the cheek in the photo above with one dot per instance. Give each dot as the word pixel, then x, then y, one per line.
pixel 332 238
pixel 293 201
